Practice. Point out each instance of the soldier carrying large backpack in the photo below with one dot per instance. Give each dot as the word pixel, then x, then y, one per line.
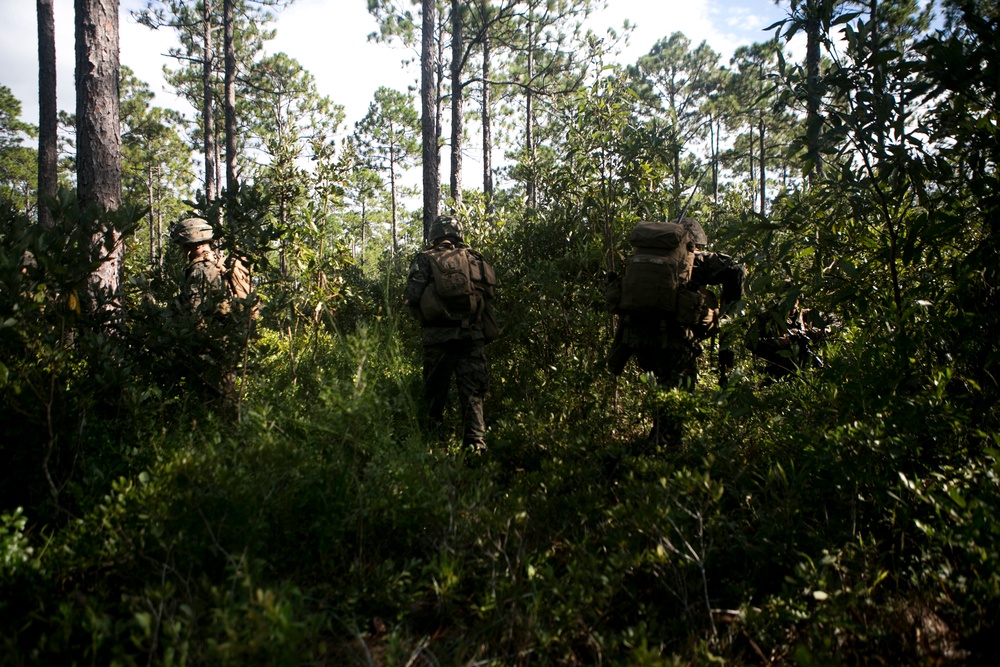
pixel 449 290
pixel 664 307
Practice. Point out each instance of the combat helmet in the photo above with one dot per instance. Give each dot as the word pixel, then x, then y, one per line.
pixel 191 230
pixel 446 226
pixel 696 231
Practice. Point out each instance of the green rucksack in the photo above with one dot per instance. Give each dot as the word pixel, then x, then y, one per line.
pixel 462 289
pixel 659 266
pixel 657 279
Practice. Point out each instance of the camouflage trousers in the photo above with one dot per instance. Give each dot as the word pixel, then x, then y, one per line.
pixel 668 351
pixel 466 360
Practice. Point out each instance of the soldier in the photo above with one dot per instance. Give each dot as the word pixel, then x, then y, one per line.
pixel 449 290
pixel 204 291
pixel 786 343
pixel 667 344
pixel 205 298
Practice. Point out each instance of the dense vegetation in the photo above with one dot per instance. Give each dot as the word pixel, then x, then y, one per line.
pixel 849 514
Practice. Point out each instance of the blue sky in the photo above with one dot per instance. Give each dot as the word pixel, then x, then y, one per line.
pixel 329 38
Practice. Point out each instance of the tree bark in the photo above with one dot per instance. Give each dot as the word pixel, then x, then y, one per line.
pixel 428 119
pixel 487 128
pixel 392 195
pixel 98 129
pixel 457 90
pixel 99 176
pixel 150 199
pixel 529 120
pixel 814 122
pixel 364 227
pixel 208 103
pixel 714 148
pixel 753 188
pixel 229 39
pixel 48 114
pixel 763 161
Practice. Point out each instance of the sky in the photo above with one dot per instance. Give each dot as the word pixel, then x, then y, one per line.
pixel 329 39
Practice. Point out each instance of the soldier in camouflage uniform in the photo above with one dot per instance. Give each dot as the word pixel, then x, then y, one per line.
pixel 670 349
pixel 204 289
pixel 204 298
pixel 450 347
pixel 786 342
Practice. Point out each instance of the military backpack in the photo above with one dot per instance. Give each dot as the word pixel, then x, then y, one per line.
pixel 660 264
pixel 461 291
pixel 657 279
pixel 239 287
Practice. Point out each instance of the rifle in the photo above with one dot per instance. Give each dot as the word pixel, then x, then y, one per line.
pixel 693 191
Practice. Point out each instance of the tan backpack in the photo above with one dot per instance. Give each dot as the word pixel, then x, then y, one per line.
pixel 239 287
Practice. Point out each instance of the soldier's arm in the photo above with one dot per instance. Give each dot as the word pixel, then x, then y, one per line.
pixel 420 274
pixel 713 268
pixel 194 291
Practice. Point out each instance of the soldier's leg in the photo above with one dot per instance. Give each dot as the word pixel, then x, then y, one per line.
pixel 676 366
pixel 620 352
pixel 472 377
pixel 439 365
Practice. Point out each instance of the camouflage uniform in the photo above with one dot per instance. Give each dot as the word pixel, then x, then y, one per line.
pixel 450 347
pixel 786 349
pixel 204 286
pixel 205 300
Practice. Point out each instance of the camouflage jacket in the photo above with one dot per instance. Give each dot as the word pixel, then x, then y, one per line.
pixel 204 290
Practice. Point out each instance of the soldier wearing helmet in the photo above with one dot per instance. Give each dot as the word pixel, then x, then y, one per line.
pixel 205 299
pixel 449 290
pixel 204 290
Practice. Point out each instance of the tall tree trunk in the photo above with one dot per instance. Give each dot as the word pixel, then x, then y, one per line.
pixel 753 189
pixel 229 39
pixel 714 158
pixel 439 109
pixel 392 196
pixel 48 123
pixel 676 160
pixel 159 215
pixel 457 93
pixel 763 161
pixel 487 128
pixel 208 107
pixel 428 119
pixel 529 119
pixel 98 153
pixel 152 215
pixel 814 122
pixel 364 227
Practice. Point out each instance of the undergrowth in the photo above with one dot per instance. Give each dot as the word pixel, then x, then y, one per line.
pixel 846 512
